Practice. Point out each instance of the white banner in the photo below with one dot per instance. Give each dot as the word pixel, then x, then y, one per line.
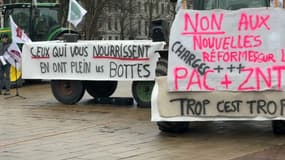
pixel 219 50
pixel 217 105
pixel 91 60
pixel 18 35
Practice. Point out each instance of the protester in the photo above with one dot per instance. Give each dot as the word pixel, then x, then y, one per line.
pixel 4 66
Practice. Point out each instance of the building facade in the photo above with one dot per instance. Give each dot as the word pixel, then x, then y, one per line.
pixel 134 21
pixel 123 19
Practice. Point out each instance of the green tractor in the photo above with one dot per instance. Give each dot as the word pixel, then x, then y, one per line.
pixel 40 23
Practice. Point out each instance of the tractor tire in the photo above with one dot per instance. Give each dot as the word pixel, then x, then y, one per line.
pixel 100 88
pixel 173 127
pixel 142 93
pixel 67 91
pixel 142 89
pixel 278 127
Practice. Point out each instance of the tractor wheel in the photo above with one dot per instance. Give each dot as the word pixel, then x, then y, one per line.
pixel 15 77
pixel 142 92
pixel 100 88
pixel 278 126
pixel 173 127
pixel 142 89
pixel 67 91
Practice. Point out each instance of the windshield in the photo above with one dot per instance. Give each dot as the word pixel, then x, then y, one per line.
pixel 48 16
pixel 42 20
pixel 229 4
pixel 20 16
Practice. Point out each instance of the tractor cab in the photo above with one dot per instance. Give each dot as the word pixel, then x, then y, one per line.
pixel 40 23
pixel 229 4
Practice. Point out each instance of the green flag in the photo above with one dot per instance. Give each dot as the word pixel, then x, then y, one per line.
pixel 75 13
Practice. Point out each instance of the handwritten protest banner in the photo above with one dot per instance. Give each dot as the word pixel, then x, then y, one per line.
pixel 242 50
pixel 217 105
pixel 91 60
pixel 224 65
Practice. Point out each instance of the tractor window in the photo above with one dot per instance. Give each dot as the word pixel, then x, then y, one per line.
pixel 48 16
pixel 21 18
pixel 47 19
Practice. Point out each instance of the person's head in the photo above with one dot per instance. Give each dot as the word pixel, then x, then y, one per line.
pixel 4 38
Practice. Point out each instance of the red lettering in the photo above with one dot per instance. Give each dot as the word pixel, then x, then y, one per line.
pixel 233 45
pixel 192 77
pixel 247 78
pixel 279 70
pixel 264 22
pixel 253 79
pixel 197 42
pixel 240 44
pixel 271 58
pixel 220 56
pixel 179 73
pixel 243 22
pixel 234 56
pixel 238 56
pixel 253 22
pixel 227 42
pixel 19 32
pixel 187 20
pixel 208 57
pixel 192 82
pixel 226 82
pixel 203 24
pixel 259 75
pixel 258 41
pixel 205 80
pixel 247 41
pixel 216 23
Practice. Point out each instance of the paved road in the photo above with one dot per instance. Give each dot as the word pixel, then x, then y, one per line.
pixel 40 128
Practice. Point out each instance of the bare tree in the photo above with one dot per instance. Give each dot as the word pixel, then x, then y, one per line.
pixel 94 18
pixel 91 20
pixel 150 4
pixel 123 11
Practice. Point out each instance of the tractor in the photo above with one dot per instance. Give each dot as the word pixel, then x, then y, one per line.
pixel 181 126
pixel 40 23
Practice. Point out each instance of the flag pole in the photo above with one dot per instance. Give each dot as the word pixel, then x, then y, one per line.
pixel 69 24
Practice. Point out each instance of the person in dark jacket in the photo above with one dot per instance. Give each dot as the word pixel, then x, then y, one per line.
pixel 4 65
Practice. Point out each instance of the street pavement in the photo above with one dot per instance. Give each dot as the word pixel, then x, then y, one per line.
pixel 40 128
